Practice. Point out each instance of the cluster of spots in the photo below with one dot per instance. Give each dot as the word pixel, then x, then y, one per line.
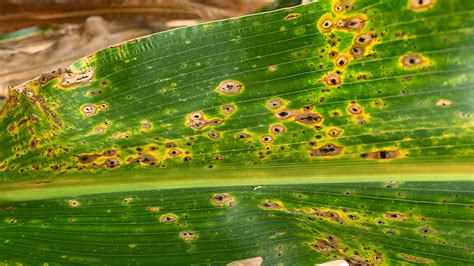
pixel 198 121
pixel 91 109
pixel 361 44
pixel 73 203
pixel 3 165
pixel 329 244
pixel 222 199
pixel 144 158
pixel 168 218
pixel 327 150
pixel 188 235
pixel 43 106
pixel 420 5
pixel 229 87
pixel 413 61
pixel 415 259
pixel 107 157
pixel 70 78
pixel 382 154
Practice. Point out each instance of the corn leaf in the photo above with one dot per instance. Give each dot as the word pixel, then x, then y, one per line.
pixel 332 130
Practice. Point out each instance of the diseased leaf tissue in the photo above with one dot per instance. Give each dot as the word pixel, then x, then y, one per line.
pixel 304 104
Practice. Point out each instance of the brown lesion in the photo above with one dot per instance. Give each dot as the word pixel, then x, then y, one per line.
pixel 413 61
pixel 394 216
pixel 333 79
pixel 271 205
pixel 145 158
pixel 3 165
pixel 326 151
pixel 334 132
pixel 168 218
pixel 188 235
pixel 420 5
pixel 70 78
pixel 229 87
pixel 292 16
pixel 277 129
pixel 355 109
pixel 197 120
pixel 222 199
pixel 308 118
pixel 382 154
pixel 325 23
pixel 414 258
pixel 353 23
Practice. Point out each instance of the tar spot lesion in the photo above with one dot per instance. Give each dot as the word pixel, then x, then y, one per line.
pixel 382 154
pixel 188 235
pixel 414 258
pixel 144 158
pixel 420 5
pixel 325 23
pixel 198 121
pixel 168 218
pixel 341 61
pixel 74 203
pixel 275 103
pixel 326 150
pixel 333 79
pixel 228 109
pixel 334 132
pixel 355 109
pixel 272 68
pixel 444 103
pixel 242 135
pixel 222 199
pixel 89 109
pixel 69 78
pixel 153 209
pixel 213 134
pixel 229 87
pixel 354 23
pixel 285 114
pixel 277 129
pixel 308 118
pixel 271 205
pixel 292 16
pixel 413 61
pixel 266 139
pixel 394 216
